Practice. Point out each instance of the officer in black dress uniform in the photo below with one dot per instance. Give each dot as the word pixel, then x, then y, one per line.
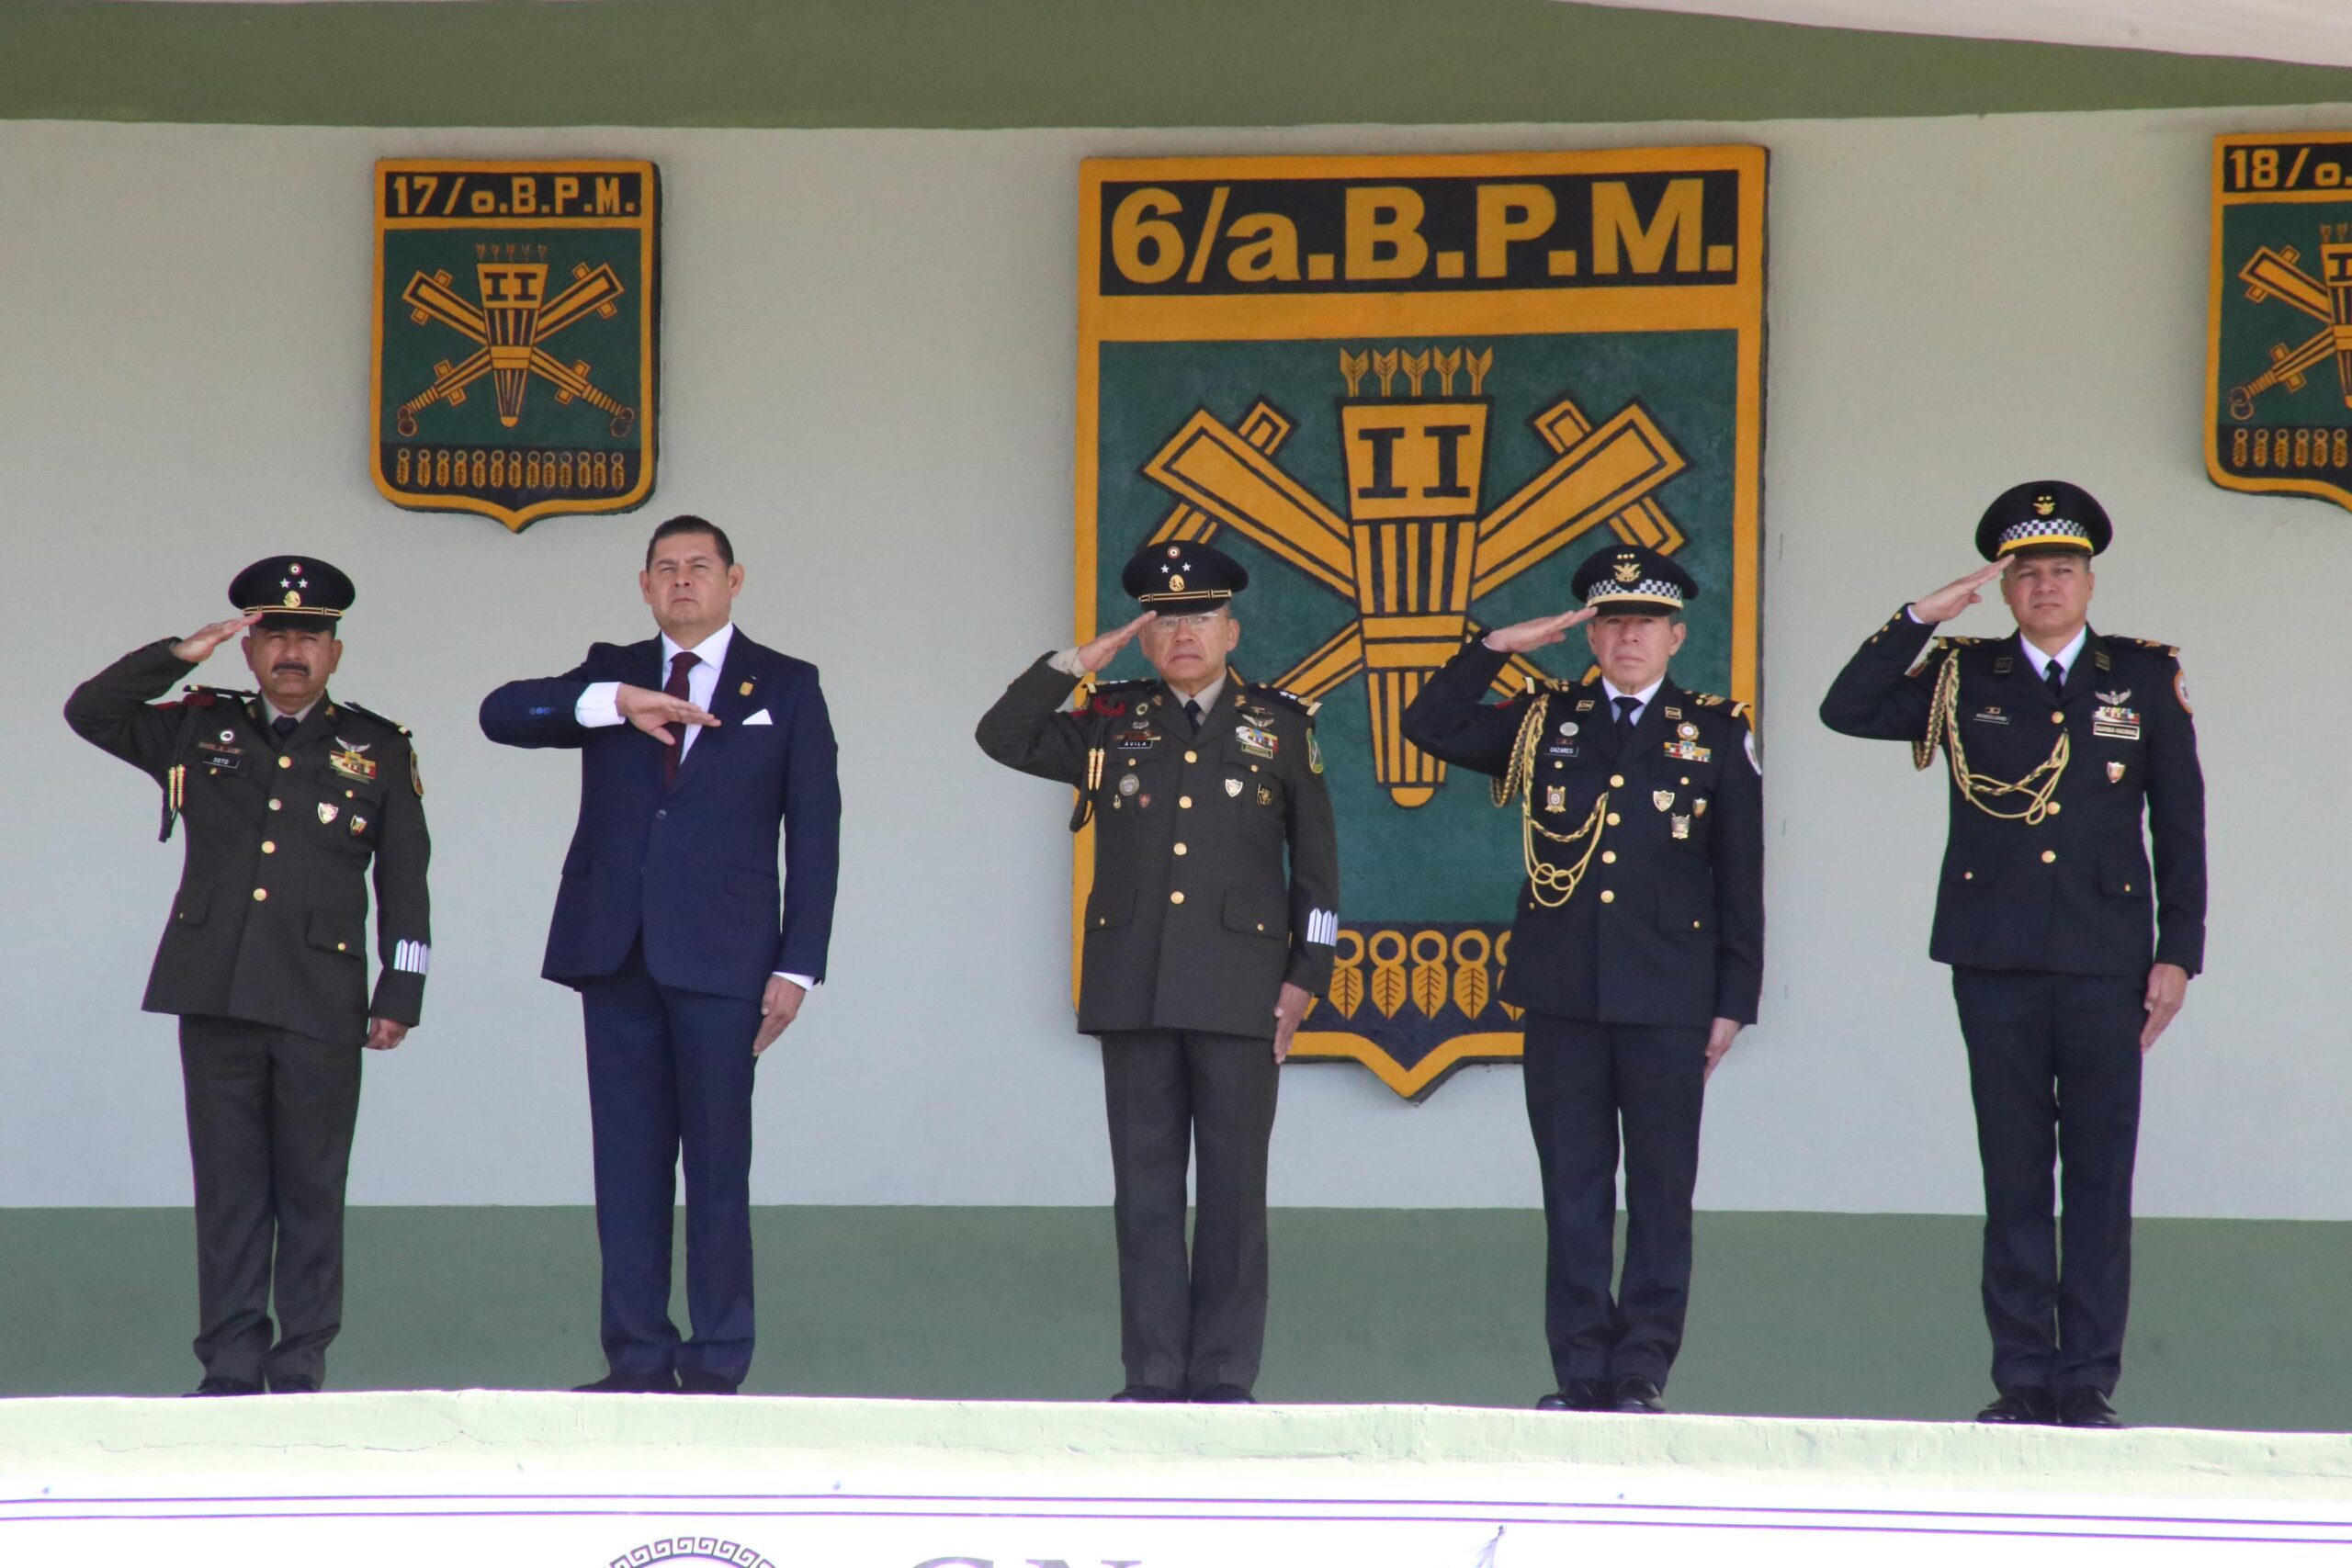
pixel 2059 741
pixel 1202 947
pixel 1639 949
pixel 292 799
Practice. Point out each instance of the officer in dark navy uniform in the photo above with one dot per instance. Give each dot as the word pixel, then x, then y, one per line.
pixel 1637 951
pixel 1201 951
pixel 2060 742
pixel 292 800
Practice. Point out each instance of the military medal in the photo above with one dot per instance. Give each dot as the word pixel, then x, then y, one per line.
pixel 1699 807
pixel 358 826
pixel 1265 795
pixel 1688 730
pixel 1556 797
pixel 1686 752
pixel 228 734
pixel 350 764
pixel 1129 783
pixel 2115 773
pixel 328 813
pixel 1256 740
pixel 1233 788
pixel 2112 719
pixel 1681 826
pixel 1568 726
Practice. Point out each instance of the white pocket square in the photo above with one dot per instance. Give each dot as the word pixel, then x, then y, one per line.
pixel 759 718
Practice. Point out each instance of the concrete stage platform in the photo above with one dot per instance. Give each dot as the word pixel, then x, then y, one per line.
pixel 551 1481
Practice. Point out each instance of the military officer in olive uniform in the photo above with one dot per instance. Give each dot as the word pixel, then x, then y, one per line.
pixel 1199 954
pixel 2059 740
pixel 1638 948
pixel 292 798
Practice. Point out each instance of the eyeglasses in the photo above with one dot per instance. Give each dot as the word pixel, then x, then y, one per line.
pixel 1198 623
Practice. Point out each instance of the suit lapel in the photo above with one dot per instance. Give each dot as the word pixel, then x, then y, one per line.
pixel 728 704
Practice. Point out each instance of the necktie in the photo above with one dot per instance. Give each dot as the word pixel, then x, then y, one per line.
pixel 2055 679
pixel 676 686
pixel 283 727
pixel 1625 706
pixel 1193 713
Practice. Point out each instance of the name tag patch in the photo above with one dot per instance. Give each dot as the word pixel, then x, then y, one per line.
pixel 1989 716
pixel 1255 739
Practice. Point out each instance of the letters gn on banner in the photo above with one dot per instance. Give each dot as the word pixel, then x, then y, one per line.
pixel 517 313
pixel 1410 394
pixel 2278 333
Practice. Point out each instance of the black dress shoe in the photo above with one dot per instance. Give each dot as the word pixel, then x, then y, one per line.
pixel 296 1384
pixel 222 1388
pixel 2087 1408
pixel 1224 1393
pixel 702 1383
pixel 1577 1393
pixel 631 1383
pixel 1147 1393
pixel 2018 1408
pixel 1635 1396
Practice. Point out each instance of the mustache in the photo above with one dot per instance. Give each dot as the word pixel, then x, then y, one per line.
pixel 290 667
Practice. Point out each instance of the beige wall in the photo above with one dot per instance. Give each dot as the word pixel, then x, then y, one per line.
pixel 869 349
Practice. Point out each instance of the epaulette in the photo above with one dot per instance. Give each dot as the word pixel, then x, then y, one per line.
pixel 1712 700
pixel 1292 700
pixel 211 697
pixel 1959 641
pixel 371 713
pixel 1109 698
pixel 2167 650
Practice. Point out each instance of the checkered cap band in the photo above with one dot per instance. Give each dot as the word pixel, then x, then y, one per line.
pixel 1649 590
pixel 2037 531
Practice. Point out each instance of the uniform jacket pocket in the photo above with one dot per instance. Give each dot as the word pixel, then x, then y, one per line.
pixel 1110 907
pixel 2125 876
pixel 1257 916
pixel 194 904
pixel 338 933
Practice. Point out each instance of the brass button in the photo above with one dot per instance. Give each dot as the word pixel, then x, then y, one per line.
pixel 1177 896
pixel 2053 809
pixel 277 806
pixel 1612 820
pixel 1261 925
pixel 1616 781
pixel 2048 856
pixel 1102 919
pixel 347 794
pixel 268 848
pixel 1695 925
pixel 261 895
pixel 1131 762
pixel 1192 756
pixel 1609 857
pixel 285 762
pixel 341 947
pixel 1181 850
pixel 1685 778
pixel 1968 876
pixel 1559 765
pixel 1607 897
pixel 1185 801
pixel 2127 888
pixel 2057 719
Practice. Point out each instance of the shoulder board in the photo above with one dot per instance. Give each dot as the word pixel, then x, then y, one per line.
pixel 1109 698
pixel 371 713
pixel 1288 699
pixel 1713 700
pixel 1959 641
pixel 2167 650
pixel 208 696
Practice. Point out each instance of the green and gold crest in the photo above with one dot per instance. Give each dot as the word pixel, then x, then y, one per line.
pixel 2278 378
pixel 516 313
pixel 1411 394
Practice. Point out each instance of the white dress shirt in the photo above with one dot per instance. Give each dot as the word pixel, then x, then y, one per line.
pixel 599 707
pixel 2064 656
pixel 1641 699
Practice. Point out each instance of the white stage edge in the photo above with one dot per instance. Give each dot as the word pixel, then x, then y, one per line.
pixel 550 1481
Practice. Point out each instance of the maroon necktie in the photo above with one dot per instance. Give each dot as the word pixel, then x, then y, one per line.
pixel 681 664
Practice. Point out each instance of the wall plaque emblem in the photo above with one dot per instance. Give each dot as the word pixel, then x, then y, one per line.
pixel 1410 394
pixel 2278 376
pixel 516 315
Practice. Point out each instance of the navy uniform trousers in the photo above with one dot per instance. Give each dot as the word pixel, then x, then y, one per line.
pixel 669 1070
pixel 1584 1080
pixel 2053 1066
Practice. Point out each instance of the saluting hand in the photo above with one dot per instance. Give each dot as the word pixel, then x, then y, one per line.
pixel 1289 1008
pixel 1538 633
pixel 197 648
pixel 1953 597
pixel 778 1007
pixel 1105 649
pixel 651 711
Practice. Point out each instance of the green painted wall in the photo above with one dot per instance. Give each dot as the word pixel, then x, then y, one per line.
pixel 2234 1323
pixel 1038 63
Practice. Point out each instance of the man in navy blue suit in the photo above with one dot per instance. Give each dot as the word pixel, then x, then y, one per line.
pixel 699 749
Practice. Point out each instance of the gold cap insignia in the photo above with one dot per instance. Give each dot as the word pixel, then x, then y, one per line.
pixel 293 599
pixel 2045 505
pixel 1176 583
pixel 1629 571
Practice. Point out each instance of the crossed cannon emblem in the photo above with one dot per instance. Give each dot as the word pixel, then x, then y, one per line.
pixel 516 316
